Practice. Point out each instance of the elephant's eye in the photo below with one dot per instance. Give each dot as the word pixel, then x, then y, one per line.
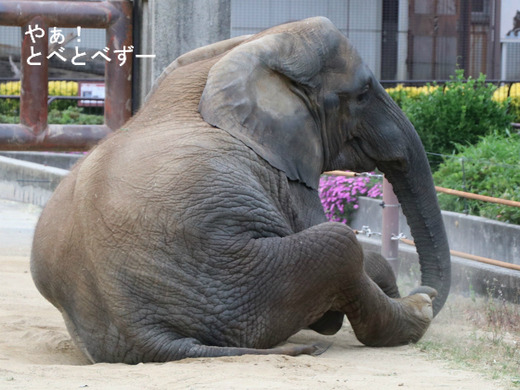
pixel 363 96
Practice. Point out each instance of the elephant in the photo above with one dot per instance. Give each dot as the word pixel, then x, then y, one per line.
pixel 196 230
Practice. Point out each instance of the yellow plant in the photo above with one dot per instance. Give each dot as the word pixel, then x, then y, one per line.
pixel 10 88
pixel 56 88
pixel 411 92
pixel 500 95
pixel 64 88
pixel 515 90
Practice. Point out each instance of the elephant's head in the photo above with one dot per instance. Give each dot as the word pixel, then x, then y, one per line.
pixel 300 96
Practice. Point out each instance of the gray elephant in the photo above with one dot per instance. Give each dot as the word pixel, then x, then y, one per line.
pixel 197 230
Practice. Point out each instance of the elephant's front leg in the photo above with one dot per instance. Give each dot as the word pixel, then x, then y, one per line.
pixel 330 276
pixel 380 271
pixel 378 320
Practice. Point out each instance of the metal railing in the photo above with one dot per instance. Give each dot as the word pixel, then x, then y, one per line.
pixel 390 236
pixel 33 132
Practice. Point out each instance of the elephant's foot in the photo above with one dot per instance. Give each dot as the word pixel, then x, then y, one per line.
pixel 380 321
pixel 417 314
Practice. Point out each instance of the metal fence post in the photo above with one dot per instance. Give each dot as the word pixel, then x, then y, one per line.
pixel 390 231
pixel 34 87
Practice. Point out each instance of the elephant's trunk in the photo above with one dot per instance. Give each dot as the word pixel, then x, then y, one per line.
pixel 423 215
pixel 413 184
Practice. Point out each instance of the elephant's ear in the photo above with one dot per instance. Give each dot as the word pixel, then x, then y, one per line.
pixel 265 92
pixel 199 54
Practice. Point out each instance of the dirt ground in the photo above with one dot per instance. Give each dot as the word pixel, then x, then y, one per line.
pixel 36 353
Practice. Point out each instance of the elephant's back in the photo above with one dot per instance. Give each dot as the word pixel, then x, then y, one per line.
pixel 143 161
pixel 187 171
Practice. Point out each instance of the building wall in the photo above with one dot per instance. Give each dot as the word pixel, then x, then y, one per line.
pixel 172 28
pixel 358 20
pixel 511 59
pixel 402 41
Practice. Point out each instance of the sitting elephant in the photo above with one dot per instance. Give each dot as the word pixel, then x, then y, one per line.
pixel 197 229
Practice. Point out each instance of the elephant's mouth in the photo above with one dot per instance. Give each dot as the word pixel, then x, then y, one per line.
pixel 355 158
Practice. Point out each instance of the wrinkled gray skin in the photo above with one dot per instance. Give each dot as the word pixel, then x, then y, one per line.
pixel 197 229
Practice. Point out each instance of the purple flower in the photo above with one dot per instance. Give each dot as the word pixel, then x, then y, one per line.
pixel 338 195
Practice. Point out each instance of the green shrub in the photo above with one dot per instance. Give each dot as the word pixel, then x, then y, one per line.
pixel 73 115
pixel 514 108
pixel 62 104
pixel 10 107
pixel 458 114
pixel 69 116
pixel 491 168
pixel 9 119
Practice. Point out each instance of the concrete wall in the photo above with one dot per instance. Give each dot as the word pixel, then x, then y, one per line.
pixel 172 28
pixel 402 40
pixel 28 182
pixel 469 234
pixel 57 160
pixel 467 277
pixel 34 183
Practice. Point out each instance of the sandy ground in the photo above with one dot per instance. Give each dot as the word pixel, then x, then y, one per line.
pixel 36 351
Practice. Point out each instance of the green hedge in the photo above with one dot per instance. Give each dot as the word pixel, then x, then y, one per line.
pixel 457 115
pixel 490 167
